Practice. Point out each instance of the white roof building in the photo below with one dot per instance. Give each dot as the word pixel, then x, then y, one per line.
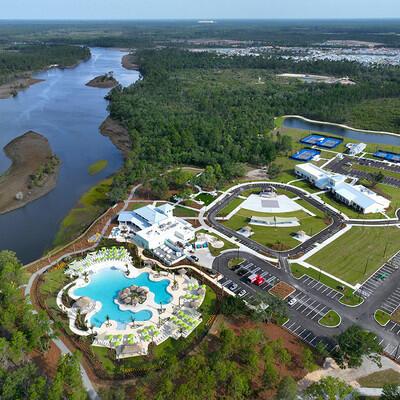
pixel 357 196
pixel 356 148
pixel 156 226
pixel 317 176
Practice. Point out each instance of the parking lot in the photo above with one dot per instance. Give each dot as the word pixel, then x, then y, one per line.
pixel 392 303
pixel 306 335
pixel 310 308
pixel 320 287
pixel 392 349
pixel 378 278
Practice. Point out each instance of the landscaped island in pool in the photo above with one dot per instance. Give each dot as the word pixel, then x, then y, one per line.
pixel 104 287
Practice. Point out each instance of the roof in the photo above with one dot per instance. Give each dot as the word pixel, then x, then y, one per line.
pixel 151 214
pixel 125 216
pixel 165 208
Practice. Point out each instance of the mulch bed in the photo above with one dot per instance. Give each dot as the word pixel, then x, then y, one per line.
pixel 282 290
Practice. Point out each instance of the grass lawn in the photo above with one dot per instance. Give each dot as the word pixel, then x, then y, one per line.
pixel 349 298
pixel 330 320
pixel 97 167
pixel 277 237
pixel 230 207
pixel 136 205
pixel 306 186
pixel 92 204
pixel 380 378
pixel 183 212
pixel 235 261
pixel 358 253
pixel 227 245
pixel 393 194
pixel 381 317
pixel 206 198
pixel 350 212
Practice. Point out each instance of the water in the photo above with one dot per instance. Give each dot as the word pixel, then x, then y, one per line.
pixel 104 287
pixel 298 123
pixel 69 114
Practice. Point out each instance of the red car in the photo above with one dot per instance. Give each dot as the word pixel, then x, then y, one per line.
pixel 256 279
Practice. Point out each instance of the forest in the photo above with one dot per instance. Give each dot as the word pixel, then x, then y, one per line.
pixel 18 59
pixel 204 109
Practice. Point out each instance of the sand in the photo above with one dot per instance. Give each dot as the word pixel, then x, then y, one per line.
pixel 102 82
pixel 128 62
pixel 118 135
pixel 27 153
pixel 12 88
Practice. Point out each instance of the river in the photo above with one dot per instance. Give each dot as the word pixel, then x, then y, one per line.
pixel 69 114
pixel 299 123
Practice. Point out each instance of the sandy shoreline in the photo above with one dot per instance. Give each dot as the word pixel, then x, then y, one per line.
pixel 118 135
pixel 28 153
pixel 17 85
pixel 102 82
pixel 128 62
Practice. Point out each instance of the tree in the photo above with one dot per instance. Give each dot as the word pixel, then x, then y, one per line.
pixel 329 388
pixel 355 343
pixel 233 306
pixel 390 392
pixel 287 389
pixel 270 375
pixel 308 359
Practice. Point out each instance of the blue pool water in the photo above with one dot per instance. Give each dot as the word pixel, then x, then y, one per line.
pixel 104 287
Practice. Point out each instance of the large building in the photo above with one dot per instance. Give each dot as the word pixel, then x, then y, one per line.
pixel 154 227
pixel 359 197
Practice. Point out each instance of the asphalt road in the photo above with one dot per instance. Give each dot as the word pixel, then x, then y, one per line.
pixel 312 299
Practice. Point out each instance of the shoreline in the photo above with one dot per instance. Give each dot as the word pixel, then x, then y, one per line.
pixel 118 135
pixel 28 153
pixel 128 64
pixel 341 126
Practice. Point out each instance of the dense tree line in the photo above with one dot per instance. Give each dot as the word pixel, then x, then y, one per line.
pixel 21 331
pixel 201 108
pixel 18 59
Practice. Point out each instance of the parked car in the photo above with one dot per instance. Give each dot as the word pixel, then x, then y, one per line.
pixel 242 293
pixel 292 302
pixel 194 258
pixel 256 279
pixel 234 286
pixel 242 272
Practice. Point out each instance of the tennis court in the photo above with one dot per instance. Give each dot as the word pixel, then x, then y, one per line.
pixel 322 141
pixel 305 154
pixel 387 155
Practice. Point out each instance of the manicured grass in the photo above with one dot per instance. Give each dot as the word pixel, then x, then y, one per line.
pixel 278 237
pixel 230 207
pixel 330 320
pixel 227 245
pixel 381 317
pixel 306 186
pixel 206 198
pixel 349 298
pixel 391 193
pixel 182 212
pixel 92 204
pixel 358 253
pixel 235 261
pixel 380 378
pixel 350 212
pixel 136 205
pixel 97 167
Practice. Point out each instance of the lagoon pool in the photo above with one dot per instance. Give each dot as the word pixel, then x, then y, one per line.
pixel 104 287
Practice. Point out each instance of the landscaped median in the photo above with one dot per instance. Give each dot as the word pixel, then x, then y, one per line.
pixel 381 317
pixel 349 298
pixel 331 319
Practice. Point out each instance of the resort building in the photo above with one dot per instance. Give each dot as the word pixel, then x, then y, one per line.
pixel 156 228
pixel 359 197
pixel 317 176
pixel 355 148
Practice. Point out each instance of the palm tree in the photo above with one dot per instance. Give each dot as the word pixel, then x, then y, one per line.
pixel 86 276
pixel 133 322
pixel 108 320
pixel 127 269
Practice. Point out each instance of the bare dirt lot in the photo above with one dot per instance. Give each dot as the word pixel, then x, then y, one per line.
pixel 27 153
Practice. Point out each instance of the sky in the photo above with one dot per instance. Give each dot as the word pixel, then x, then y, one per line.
pixel 197 9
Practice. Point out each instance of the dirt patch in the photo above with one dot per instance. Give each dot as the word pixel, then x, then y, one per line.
pixel 47 362
pixel 128 62
pixel 118 135
pixel 282 290
pixel 11 89
pixel 28 154
pixel 103 82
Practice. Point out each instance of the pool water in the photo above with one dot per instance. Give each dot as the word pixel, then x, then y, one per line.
pixel 104 287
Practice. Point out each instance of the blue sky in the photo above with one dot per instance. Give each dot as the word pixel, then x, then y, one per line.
pixel 155 9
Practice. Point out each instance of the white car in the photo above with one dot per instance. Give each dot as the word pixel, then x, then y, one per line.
pixel 242 293
pixel 292 302
pixel 233 286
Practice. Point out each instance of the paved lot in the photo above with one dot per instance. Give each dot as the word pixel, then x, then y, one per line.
pixel 392 303
pixel 378 278
pixel 308 282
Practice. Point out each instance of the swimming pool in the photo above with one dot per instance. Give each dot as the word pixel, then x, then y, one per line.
pixel 104 287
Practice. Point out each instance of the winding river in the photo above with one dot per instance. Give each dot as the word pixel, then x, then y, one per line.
pixel 69 114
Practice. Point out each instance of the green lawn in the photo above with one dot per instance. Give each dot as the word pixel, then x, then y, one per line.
pixel 206 198
pixel 381 317
pixel 183 212
pixel 230 207
pixel 380 378
pixel 306 186
pixel 136 205
pixel 97 167
pixel 277 237
pixel 330 320
pixel 349 298
pixel 358 253
pixel 393 194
